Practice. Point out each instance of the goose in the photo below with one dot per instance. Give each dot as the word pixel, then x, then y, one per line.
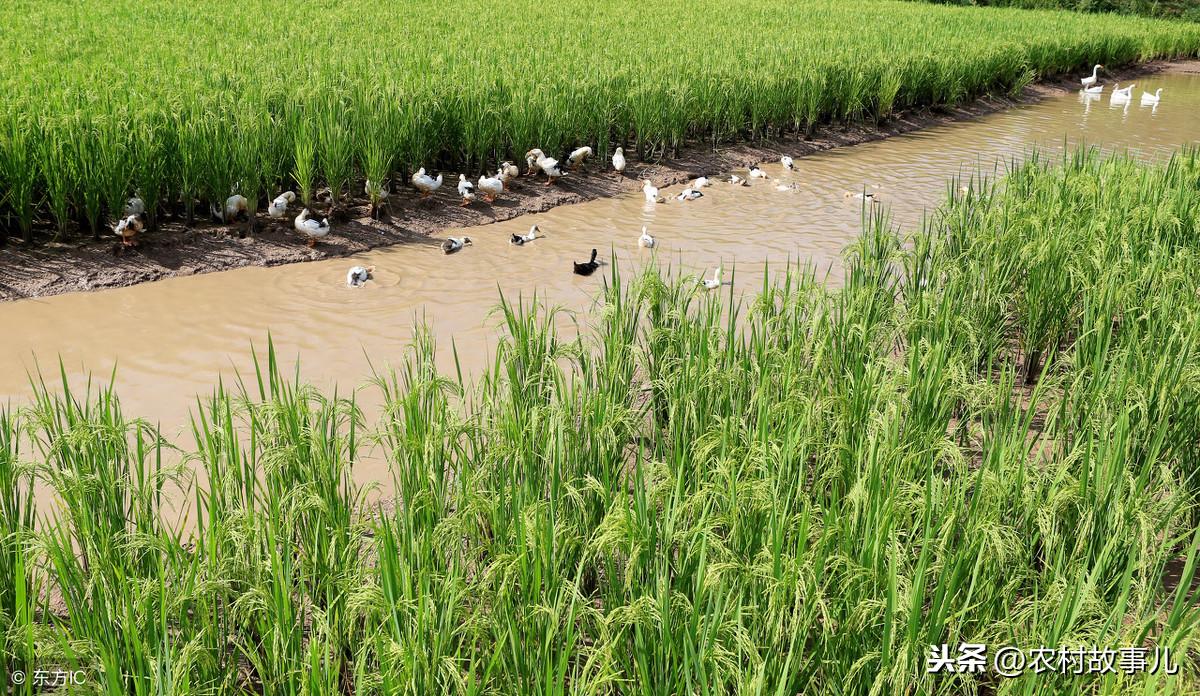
pixel 618 160
pixel 650 191
pixel 128 228
pixel 1089 81
pixel 357 276
pixel 714 282
pixel 756 173
pixel 1097 89
pixel 135 206
pixel 236 209
pixel 578 157
pixel 586 269
pixel 311 228
pixel 689 194
pixel 490 187
pixel 737 180
pixel 522 239
pixel 787 162
pixel 646 241
pixel 1120 92
pixel 1148 98
pixel 507 172
pixel 279 206
pixel 467 190
pixel 701 182
pixel 453 244
pixel 425 183
pixel 548 165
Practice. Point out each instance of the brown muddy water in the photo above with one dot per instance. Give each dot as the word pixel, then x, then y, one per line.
pixel 171 340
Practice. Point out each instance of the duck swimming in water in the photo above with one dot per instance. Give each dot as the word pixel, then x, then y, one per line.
pixel 689 194
pixel 357 276
pixel 650 191
pixel 523 239
pixel 787 162
pixel 737 180
pixel 756 173
pixel 714 282
pixel 646 241
pixel 586 269
pixel 453 244
pixel 701 182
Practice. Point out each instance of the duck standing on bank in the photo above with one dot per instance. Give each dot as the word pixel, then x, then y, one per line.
pixel 618 162
pixel 548 165
pixel 466 190
pixel 586 269
pixel 310 228
pixel 490 187
pixel 507 172
pixel 425 183
pixel 127 229
pixel 236 209
pixel 279 206
pixel 579 157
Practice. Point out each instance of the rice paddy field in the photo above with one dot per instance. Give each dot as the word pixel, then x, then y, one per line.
pixel 184 103
pixel 990 435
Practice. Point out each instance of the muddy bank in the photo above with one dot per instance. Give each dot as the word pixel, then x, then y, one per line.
pixel 176 250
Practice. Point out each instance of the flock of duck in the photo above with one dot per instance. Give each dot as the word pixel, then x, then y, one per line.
pixel 1120 95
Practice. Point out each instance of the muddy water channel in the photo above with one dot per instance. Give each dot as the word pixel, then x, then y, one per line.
pixel 171 340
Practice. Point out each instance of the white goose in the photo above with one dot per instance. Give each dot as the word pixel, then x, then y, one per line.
pixel 618 160
pixel 311 228
pixel 714 282
pixel 523 239
pixel 578 157
pixel 466 189
pixel 279 206
pixel 787 162
pixel 646 241
pixel 548 165
pixel 1120 93
pixel 357 276
pixel 1148 98
pixel 425 183
pixel 650 191
pixel 1089 81
pixel 689 194
pixel 490 187
pixel 701 182
pixel 1097 89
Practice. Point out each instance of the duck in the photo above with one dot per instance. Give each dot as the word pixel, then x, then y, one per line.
pixel 425 183
pixel 531 168
pixel 548 165
pixel 737 180
pixel 1089 81
pixel 689 194
pixel 135 206
pixel 236 209
pixel 128 228
pixel 1148 98
pixel 756 173
pixel 357 276
pixel 490 187
pixel 453 244
pixel 586 269
pixel 376 191
pixel 650 191
pixel 1096 89
pixel 646 241
pixel 522 239
pixel 714 282
pixel 311 228
pixel 279 206
pixel 467 190
pixel 701 182
pixel 862 196
pixel 507 172
pixel 578 157
pixel 787 162
pixel 618 161
pixel 786 187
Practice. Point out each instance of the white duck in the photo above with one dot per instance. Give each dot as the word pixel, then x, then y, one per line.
pixel 1089 81
pixel 279 206
pixel 689 194
pixel 523 239
pixel 737 180
pixel 548 165
pixel 787 162
pixel 467 190
pixel 701 182
pixel 650 191
pixel 453 244
pixel 127 228
pixel 236 208
pixel 714 282
pixel 756 173
pixel 786 187
pixel 311 228
pixel 507 172
pixel 861 196
pixel 357 276
pixel 578 157
pixel 1148 98
pixel 425 183
pixel 646 241
pixel 490 187
pixel 618 160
